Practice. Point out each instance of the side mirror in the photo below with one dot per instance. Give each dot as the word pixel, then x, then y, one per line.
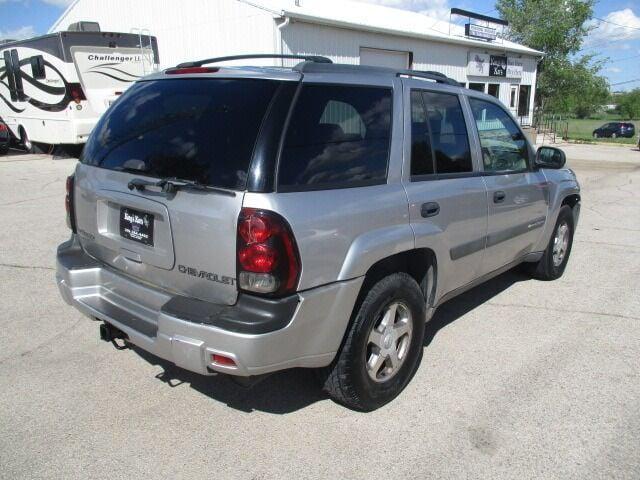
pixel 550 157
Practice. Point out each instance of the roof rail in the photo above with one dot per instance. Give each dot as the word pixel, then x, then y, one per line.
pixel 308 58
pixel 435 76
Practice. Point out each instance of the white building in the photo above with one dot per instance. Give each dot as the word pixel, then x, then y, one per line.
pixel 345 31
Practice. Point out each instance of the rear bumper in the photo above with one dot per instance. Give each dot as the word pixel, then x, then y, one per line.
pixel 187 332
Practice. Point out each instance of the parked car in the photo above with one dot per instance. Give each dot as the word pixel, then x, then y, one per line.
pixel 5 138
pixel 247 220
pixel 614 130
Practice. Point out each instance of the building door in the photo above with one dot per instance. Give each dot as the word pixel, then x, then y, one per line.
pixel 385 58
pixel 513 99
pixel 523 101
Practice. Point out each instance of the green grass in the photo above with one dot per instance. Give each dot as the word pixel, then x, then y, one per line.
pixel 582 129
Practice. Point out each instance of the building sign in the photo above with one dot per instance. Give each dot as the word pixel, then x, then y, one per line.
pixel 485 65
pixel 478 64
pixel 497 66
pixel 478 31
pixel 514 67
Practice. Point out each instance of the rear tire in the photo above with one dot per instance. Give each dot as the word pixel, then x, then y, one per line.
pixel 595 135
pixel 4 150
pixel 383 346
pixel 552 264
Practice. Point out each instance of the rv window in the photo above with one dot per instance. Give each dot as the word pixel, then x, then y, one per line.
pixel 37 67
pixel 10 78
pixel 17 75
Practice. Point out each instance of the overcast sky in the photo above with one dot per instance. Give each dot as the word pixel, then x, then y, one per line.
pixel 616 36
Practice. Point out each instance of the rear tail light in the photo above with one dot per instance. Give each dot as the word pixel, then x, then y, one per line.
pixel 76 92
pixel 68 204
pixel 268 259
pixel 3 128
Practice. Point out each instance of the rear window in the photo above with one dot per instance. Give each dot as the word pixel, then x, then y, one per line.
pixel 338 137
pixel 202 130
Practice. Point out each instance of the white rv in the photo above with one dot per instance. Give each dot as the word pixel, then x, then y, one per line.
pixel 54 88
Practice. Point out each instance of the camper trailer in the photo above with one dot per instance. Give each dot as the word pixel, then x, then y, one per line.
pixel 53 88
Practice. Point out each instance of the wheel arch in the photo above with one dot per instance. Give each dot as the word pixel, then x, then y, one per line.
pixel 420 263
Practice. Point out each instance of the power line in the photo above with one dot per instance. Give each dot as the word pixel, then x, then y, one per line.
pixel 616 24
pixel 622 59
pixel 624 83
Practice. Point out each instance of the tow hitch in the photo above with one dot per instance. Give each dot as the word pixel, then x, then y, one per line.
pixel 109 333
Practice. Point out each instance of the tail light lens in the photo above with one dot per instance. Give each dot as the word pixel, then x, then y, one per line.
pixel 3 127
pixel 268 258
pixel 76 92
pixel 68 204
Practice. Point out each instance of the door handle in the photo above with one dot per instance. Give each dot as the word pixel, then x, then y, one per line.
pixel 429 209
pixel 499 196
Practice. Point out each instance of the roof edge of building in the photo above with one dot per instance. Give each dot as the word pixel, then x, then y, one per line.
pixel 521 49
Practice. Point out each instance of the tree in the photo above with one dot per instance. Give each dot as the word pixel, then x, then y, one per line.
pixel 558 28
pixel 629 104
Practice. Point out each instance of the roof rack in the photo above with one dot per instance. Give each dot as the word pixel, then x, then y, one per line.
pixel 435 76
pixel 307 58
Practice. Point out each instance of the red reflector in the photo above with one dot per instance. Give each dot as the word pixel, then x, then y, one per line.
pixel 187 70
pixel 222 360
pixel 3 127
pixel 76 92
pixel 258 258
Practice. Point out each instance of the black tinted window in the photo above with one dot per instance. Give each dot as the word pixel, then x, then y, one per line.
pixel 194 129
pixel 338 137
pixel 421 154
pixel 448 133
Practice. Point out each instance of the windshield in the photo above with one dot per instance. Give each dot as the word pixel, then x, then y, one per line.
pixel 201 130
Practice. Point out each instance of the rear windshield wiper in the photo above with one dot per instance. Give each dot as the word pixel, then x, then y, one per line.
pixel 172 185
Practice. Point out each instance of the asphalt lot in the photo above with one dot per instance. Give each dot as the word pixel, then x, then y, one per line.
pixel 520 378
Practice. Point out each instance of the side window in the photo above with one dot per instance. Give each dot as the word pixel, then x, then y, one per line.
pixel 8 64
pixel 448 133
pixel 17 75
pixel 421 153
pixel 344 115
pixel 338 137
pixel 37 67
pixel 504 147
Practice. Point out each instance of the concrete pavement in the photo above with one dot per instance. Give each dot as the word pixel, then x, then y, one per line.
pixel 520 378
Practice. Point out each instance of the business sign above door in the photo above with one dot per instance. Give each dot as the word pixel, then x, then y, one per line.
pixel 485 65
pixel 479 31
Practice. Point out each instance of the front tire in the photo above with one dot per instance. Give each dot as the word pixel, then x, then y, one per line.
pixel 383 346
pixel 27 144
pixel 614 135
pixel 552 264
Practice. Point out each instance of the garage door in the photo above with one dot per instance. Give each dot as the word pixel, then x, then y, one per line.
pixel 384 58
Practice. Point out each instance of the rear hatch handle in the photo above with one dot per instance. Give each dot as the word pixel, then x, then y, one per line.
pixel 170 186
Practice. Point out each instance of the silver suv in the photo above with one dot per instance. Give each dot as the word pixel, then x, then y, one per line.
pixel 246 220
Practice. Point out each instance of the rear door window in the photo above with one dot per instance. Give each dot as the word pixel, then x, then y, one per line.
pixel 202 130
pixel 448 133
pixel 338 137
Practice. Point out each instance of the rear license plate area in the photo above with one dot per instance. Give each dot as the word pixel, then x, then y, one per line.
pixel 136 225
